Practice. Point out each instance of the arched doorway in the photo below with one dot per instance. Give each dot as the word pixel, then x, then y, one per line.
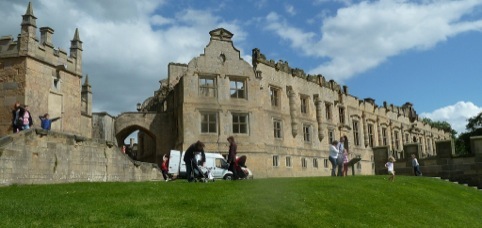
pixel 142 145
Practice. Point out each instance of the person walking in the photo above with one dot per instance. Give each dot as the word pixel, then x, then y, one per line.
pixel 189 158
pixel 333 157
pixel 390 166
pixel 416 166
pixel 232 157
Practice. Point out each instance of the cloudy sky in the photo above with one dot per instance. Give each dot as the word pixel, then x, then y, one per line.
pixel 427 52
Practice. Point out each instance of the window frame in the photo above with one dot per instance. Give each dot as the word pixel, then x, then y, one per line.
pixel 307 134
pixel 209 122
pixel 275 96
pixel 205 86
pixel 356 132
pixel 235 94
pixel 304 104
pixel 239 124
pixel 277 130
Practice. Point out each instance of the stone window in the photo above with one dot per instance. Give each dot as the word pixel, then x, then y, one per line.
pixel 325 163
pixel 275 160
pixel 275 93
pixel 304 104
pixel 304 163
pixel 397 140
pixel 209 122
pixel 277 128
pixel 240 123
pixel 288 161
pixel 341 112
pixel 358 164
pixel 315 163
pixel 237 88
pixel 331 135
pixel 356 133
pixel 307 132
pixel 328 111
pixel 207 86
pixel 384 136
pixel 407 138
pixel 370 135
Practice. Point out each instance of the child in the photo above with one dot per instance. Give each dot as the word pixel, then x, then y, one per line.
pixel 345 163
pixel 391 171
pixel 165 167
pixel 46 123
pixel 416 166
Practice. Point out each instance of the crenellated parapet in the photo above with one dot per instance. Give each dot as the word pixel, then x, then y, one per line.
pixel 283 66
pixel 28 44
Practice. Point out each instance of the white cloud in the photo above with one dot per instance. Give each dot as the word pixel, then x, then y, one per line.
pixel 362 36
pixel 125 53
pixel 456 115
pixel 290 9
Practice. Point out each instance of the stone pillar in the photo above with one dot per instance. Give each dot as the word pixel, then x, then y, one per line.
pixel 293 109
pixel 476 146
pixel 409 149
pixel 319 117
pixel 444 149
pixel 46 36
pixel 380 157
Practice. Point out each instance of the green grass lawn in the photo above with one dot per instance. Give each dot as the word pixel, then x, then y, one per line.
pixel 361 201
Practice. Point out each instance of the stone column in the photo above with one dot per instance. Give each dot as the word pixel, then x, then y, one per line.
pixel 293 109
pixel 319 117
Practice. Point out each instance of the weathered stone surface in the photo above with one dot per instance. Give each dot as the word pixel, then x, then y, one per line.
pixel 46 159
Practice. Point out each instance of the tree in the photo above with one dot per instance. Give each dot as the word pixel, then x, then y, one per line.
pixel 474 123
pixel 444 125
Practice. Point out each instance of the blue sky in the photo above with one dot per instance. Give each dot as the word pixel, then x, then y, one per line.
pixel 425 52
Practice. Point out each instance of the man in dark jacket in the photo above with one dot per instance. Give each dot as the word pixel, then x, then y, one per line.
pixel 232 156
pixel 189 158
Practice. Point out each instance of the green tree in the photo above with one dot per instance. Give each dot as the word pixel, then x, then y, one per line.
pixel 444 125
pixel 474 128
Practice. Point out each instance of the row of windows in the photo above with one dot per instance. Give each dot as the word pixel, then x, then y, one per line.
pixel 237 88
pixel 209 123
pixel 304 162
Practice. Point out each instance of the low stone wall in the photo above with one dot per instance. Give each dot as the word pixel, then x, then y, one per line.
pixel 37 156
pixel 466 170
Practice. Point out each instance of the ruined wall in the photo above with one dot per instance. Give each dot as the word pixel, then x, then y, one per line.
pixel 37 156
pixel 466 170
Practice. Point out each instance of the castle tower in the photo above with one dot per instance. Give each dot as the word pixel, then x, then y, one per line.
pixel 86 97
pixel 45 78
pixel 27 38
pixel 76 52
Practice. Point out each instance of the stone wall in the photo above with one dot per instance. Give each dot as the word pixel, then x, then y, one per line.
pixel 37 156
pixel 466 170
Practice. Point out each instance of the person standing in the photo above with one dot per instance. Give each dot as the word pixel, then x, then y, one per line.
pixel 341 151
pixel 232 157
pixel 345 163
pixel 416 166
pixel 165 167
pixel 189 158
pixel 46 122
pixel 391 170
pixel 26 118
pixel 333 156
pixel 16 125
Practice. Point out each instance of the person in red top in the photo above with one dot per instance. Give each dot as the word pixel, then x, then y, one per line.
pixel 165 167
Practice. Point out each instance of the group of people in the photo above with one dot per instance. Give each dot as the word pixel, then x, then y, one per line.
pixel 391 170
pixel 234 162
pixel 339 157
pixel 22 119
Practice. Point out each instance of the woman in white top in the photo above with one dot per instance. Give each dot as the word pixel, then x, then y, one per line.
pixel 333 156
pixel 391 170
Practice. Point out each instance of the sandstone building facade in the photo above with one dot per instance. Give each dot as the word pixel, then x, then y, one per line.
pixel 47 79
pixel 281 118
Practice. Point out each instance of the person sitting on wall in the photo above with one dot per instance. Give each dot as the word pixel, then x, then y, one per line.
pixel 46 122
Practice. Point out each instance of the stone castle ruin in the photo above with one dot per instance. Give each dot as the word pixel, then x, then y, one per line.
pixel 282 118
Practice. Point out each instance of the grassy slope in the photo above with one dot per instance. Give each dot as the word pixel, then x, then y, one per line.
pixel 362 201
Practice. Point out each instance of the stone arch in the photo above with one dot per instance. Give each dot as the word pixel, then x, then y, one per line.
pixel 145 149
